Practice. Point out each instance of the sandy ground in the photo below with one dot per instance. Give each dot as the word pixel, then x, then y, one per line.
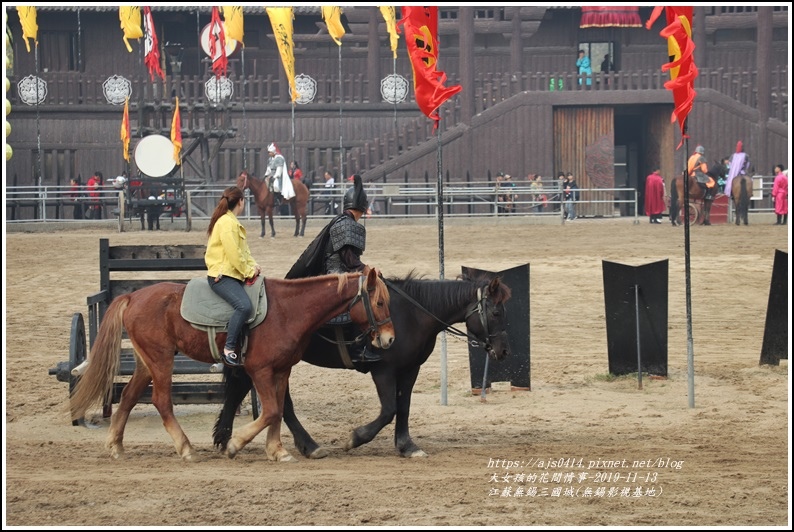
pixel 583 449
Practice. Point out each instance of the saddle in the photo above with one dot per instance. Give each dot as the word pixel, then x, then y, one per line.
pixel 207 311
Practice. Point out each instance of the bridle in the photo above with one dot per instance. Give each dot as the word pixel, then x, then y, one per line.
pixel 374 324
pixel 479 307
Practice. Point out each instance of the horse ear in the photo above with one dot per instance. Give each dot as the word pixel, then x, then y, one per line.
pixel 493 286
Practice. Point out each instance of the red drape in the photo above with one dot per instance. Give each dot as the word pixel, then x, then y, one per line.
pixel 610 17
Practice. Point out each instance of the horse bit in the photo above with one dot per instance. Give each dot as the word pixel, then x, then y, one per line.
pixel 373 323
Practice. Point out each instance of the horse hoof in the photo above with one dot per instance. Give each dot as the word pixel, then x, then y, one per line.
pixel 318 453
pixel 117 452
pixel 231 450
pixel 287 458
pixel 190 457
pixel 419 453
pixel 349 445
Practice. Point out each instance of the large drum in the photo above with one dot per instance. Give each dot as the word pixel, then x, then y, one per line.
pixel 231 44
pixel 154 156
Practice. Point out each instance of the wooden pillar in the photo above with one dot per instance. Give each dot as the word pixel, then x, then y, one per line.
pixel 373 57
pixel 699 35
pixel 466 60
pixel 763 86
pixel 515 44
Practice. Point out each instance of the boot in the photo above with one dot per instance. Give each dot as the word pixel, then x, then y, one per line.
pixel 785 219
pixel 366 356
pixel 779 217
pixel 232 359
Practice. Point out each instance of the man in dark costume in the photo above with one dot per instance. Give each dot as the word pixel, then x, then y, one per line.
pixel 337 249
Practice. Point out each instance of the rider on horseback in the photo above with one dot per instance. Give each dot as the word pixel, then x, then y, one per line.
pixel 278 180
pixel 337 249
pixel 698 168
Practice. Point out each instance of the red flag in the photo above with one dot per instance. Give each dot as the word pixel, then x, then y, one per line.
pixel 151 47
pixel 125 130
pixel 421 39
pixel 176 132
pixel 683 71
pixel 218 42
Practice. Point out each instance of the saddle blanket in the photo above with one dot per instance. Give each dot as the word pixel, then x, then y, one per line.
pixel 204 308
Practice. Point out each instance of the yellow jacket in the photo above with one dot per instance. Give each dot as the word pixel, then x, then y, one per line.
pixel 227 250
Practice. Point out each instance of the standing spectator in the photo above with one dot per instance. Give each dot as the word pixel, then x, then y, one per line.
pixel 77 195
pixel 510 196
pixel 538 198
pixel 780 193
pixel 93 186
pixel 740 164
pixel 654 196
pixel 606 65
pixel 583 63
pixel 331 206
pixel 570 196
pixel 723 174
pixel 500 195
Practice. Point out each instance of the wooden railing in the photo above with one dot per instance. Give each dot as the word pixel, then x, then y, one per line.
pixel 81 89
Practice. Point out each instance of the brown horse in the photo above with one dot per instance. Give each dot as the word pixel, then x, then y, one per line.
pixel 741 191
pixel 265 201
pixel 696 193
pixel 152 318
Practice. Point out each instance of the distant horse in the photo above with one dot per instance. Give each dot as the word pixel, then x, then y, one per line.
pixel 157 331
pixel 741 191
pixel 420 309
pixel 265 201
pixel 696 193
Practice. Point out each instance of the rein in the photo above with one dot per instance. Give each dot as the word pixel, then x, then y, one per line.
pixel 479 308
pixel 373 323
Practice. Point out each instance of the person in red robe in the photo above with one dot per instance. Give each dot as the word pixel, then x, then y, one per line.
pixel 654 197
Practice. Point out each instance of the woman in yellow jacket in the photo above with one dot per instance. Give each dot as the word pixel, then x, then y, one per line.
pixel 229 264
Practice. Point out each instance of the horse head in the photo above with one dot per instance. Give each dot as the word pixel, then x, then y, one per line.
pixel 374 309
pixel 487 320
pixel 243 180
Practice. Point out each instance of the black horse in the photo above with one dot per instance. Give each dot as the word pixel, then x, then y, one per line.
pixel 420 310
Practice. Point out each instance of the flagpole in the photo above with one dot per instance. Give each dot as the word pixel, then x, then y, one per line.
pixel 690 349
pixel 38 134
pixel 245 122
pixel 440 208
pixel 341 146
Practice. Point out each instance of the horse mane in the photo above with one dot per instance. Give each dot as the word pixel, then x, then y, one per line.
pixel 460 291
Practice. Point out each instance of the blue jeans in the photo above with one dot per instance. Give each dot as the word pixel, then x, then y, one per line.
pixel 232 291
pixel 570 208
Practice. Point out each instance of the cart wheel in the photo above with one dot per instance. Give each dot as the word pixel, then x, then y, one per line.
pixel 188 213
pixel 77 353
pixel 122 203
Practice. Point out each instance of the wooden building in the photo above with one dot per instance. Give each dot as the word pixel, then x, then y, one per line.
pixel 521 110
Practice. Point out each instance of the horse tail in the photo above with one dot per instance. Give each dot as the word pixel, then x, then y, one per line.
pixel 96 383
pixel 744 198
pixel 237 384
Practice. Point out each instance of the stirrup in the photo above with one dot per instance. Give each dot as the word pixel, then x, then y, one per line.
pixel 366 357
pixel 232 359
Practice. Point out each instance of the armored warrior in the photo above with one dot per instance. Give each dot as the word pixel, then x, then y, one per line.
pixel 278 180
pixel 338 248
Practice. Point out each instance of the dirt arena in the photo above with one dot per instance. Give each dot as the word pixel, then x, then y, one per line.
pixel 724 462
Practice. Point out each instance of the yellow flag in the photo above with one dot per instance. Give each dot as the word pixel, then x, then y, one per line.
pixel 332 17
pixel 30 30
pixel 281 20
pixel 391 26
pixel 130 17
pixel 125 130
pixel 233 23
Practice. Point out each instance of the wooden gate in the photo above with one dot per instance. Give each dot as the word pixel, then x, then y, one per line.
pixel 584 144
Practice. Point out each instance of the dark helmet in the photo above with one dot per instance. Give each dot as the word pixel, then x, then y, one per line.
pixel 355 197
